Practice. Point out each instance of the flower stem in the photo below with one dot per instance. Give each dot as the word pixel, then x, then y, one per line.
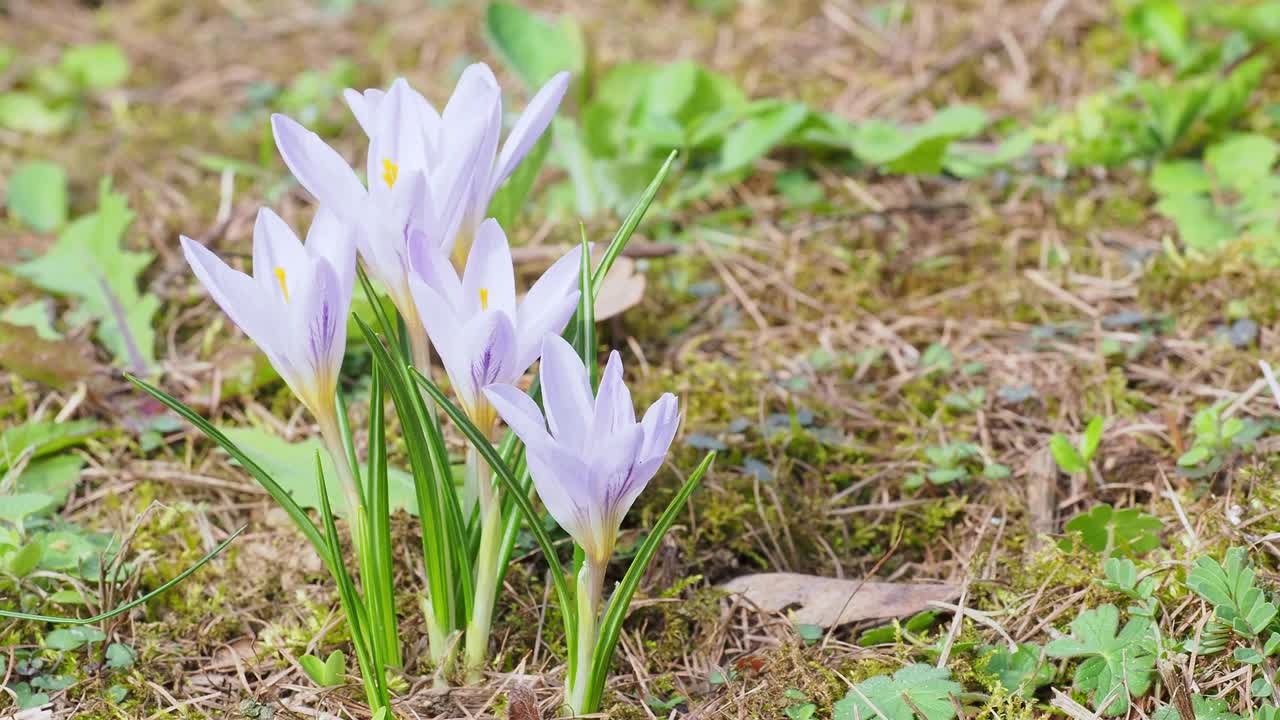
pixel 374 577
pixel 578 681
pixel 491 531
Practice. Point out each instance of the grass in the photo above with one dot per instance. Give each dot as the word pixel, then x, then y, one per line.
pixel 794 337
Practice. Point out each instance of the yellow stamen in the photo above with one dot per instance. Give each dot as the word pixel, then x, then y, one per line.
pixel 484 298
pixel 280 279
pixel 390 171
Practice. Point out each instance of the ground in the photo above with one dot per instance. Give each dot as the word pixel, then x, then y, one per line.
pixel 881 371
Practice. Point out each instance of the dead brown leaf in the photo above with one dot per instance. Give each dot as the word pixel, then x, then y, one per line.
pixel 522 704
pixel 56 363
pixel 828 602
pixel 623 289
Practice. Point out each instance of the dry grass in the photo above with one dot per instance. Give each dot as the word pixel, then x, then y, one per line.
pixel 906 263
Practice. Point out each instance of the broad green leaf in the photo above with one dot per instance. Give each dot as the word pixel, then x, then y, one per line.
pixel 1180 177
pixel 1195 456
pixel 73 637
pixel 1022 671
pixel 37 195
pixel 1066 455
pixel 929 688
pixel 1116 662
pixel 36 315
pixel 1240 161
pixel 292 466
pixel 1108 531
pixel 326 673
pixel 53 477
pixel 532 47
pixel 43 438
pixel 26 558
pixel 15 507
pixel 759 134
pixel 98 66
pixel 89 263
pixel 1161 24
pixel 919 149
pixel 120 656
pixel 25 112
pixel 1204 708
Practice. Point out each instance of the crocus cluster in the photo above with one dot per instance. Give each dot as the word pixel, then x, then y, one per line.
pixel 418 225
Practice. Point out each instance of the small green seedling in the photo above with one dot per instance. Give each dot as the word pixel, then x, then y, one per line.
pixel 1073 459
pixel 1217 439
pixel 327 673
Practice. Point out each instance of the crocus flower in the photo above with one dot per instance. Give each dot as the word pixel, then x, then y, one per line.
pixel 395 205
pixel 473 321
pixel 295 305
pixel 459 147
pixel 596 459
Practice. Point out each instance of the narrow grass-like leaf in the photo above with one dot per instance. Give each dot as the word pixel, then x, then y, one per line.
pixel 616 612
pixel 132 603
pixel 348 445
pixel 586 316
pixel 371 669
pixel 444 543
pixel 279 494
pixel 510 485
pixel 380 527
pixel 629 224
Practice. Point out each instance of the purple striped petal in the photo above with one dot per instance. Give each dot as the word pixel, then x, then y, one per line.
pixel 484 355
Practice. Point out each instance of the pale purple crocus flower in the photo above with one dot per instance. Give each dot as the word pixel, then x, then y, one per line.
pixel 296 303
pixel 459 146
pixel 396 205
pixel 483 336
pixel 588 470
pixel 593 463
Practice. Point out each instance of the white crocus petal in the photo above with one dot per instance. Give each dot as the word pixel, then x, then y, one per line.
pixel 364 106
pixel 320 169
pixel 613 411
pixel 660 423
pixel 240 296
pixel 532 123
pixel 521 414
pixel 431 265
pixel 279 260
pixel 399 143
pixel 566 394
pixel 548 306
pixel 489 282
pixel 330 238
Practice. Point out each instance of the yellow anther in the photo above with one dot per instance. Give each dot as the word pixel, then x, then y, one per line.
pixel 280 279
pixel 484 298
pixel 390 171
